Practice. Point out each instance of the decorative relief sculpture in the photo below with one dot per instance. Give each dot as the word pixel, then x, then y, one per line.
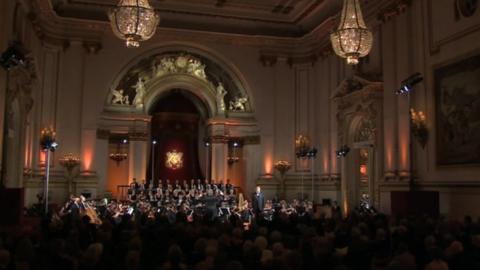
pixel 174 160
pixel 196 68
pixel 238 104
pixel 221 92
pixel 365 131
pixel 133 86
pixel 118 97
pixel 179 64
pixel 140 93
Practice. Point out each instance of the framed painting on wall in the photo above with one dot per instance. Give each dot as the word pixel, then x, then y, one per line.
pixel 457 98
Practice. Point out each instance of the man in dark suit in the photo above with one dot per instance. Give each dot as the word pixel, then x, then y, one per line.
pixel 258 201
pixel 211 205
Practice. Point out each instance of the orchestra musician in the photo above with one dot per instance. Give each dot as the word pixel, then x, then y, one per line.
pixel 199 185
pixel 209 201
pixel 211 204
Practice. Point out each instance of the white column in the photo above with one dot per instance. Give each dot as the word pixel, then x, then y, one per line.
pixel 219 160
pixel 137 160
pixel 101 164
pixel 251 153
pixel 70 94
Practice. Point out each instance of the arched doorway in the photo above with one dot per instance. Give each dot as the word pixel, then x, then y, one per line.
pixel 223 109
pixel 359 106
pixel 177 132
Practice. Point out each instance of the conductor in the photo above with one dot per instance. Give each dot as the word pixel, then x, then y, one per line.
pixel 258 201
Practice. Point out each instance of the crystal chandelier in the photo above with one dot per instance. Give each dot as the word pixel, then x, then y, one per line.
pixel 133 21
pixel 352 39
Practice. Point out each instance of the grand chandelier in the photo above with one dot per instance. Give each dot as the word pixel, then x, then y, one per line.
pixel 352 39
pixel 133 21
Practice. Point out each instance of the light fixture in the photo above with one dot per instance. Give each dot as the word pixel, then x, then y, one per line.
pixel 47 139
pixel 69 161
pixel 419 126
pixel 407 85
pixel 282 166
pixel 133 21
pixel 48 144
pixel 302 146
pixel 119 156
pixel 343 151
pixel 233 157
pixel 13 56
pixel 352 39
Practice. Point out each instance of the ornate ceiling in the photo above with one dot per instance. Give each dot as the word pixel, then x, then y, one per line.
pixel 296 29
pixel 286 18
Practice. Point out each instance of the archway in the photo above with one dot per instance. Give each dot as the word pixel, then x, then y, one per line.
pixel 177 132
pixel 224 110
pixel 359 105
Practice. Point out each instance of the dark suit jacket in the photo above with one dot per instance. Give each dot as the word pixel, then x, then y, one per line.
pixel 258 201
pixel 211 205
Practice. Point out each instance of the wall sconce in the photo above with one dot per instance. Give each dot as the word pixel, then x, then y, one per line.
pixel 232 152
pixel 302 146
pixel 47 139
pixel 119 156
pixel 419 127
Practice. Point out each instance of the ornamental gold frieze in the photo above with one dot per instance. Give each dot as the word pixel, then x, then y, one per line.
pixel 132 88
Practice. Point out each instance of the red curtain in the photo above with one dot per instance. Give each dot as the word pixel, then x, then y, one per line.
pixel 175 132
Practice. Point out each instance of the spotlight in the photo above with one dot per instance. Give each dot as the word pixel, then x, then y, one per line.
pixel 207 144
pixel 154 142
pixel 312 153
pixel 12 57
pixel 407 85
pixel 53 146
pixel 343 151
pixel 235 144
pixel 124 141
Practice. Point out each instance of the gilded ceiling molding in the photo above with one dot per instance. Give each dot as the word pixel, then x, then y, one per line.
pixel 59 31
pixel 56 30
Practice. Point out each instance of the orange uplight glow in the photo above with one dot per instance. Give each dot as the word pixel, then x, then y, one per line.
pixel 87 158
pixel 389 158
pixel 404 153
pixel 333 165
pixel 42 157
pixel 345 207
pixel 268 165
pixel 325 161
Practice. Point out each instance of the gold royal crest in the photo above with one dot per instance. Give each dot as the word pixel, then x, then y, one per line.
pixel 174 160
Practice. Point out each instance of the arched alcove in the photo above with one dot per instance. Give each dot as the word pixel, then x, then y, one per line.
pixel 213 86
pixel 178 128
pixel 137 86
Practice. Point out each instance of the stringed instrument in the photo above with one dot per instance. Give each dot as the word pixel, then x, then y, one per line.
pixel 92 214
